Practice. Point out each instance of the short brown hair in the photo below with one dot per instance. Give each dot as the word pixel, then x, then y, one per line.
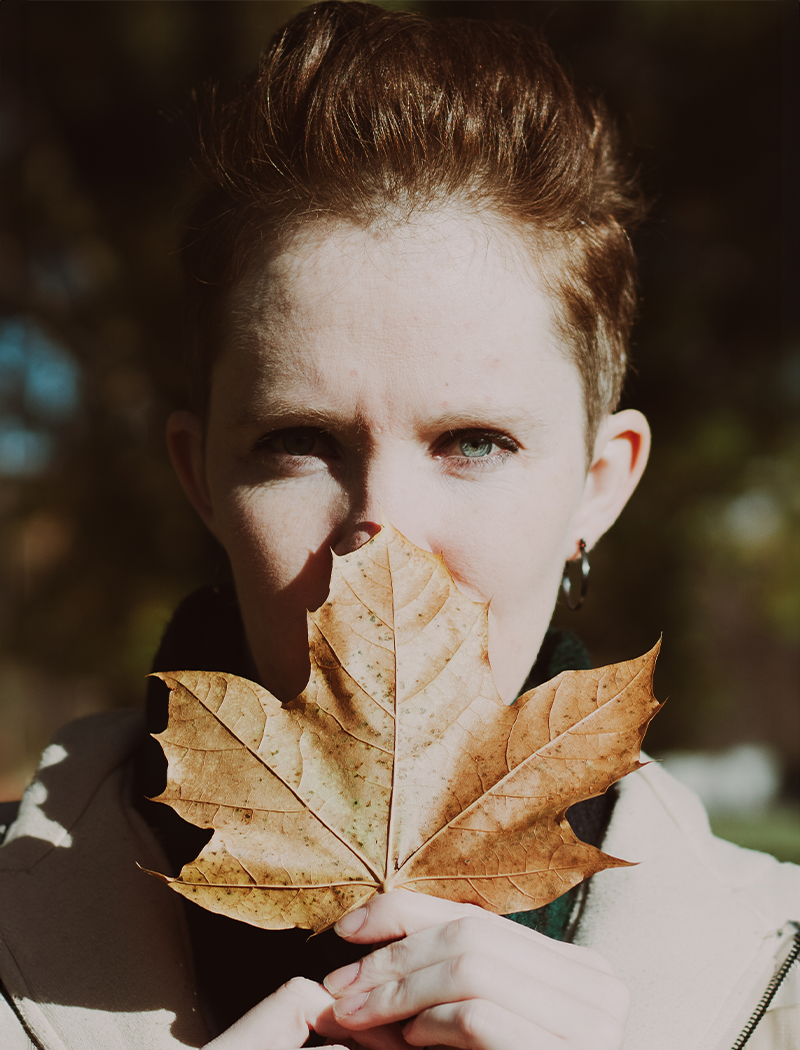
pixel 354 108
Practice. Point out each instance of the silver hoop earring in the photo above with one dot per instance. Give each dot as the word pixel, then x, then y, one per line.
pixel 566 584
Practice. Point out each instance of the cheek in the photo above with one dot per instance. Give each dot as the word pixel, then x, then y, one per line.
pixel 271 540
pixel 511 547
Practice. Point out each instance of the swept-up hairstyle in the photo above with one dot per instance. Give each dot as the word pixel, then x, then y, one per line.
pixel 361 114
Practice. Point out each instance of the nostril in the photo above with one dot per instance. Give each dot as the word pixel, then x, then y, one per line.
pixel 355 536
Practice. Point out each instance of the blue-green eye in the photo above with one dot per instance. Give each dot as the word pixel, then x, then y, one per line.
pixel 475 447
pixel 484 448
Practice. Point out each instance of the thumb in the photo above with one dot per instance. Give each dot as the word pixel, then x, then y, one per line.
pixel 282 1021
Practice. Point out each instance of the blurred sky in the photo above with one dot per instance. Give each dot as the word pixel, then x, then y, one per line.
pixel 96 541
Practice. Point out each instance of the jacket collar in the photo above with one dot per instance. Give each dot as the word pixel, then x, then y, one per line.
pixel 695 927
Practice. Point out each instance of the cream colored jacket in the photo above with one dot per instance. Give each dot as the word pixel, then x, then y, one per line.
pixel 94 954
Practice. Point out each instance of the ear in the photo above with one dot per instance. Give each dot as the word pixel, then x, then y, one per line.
pixel 185 444
pixel 620 456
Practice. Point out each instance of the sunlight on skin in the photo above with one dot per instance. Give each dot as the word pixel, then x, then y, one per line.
pixel 413 371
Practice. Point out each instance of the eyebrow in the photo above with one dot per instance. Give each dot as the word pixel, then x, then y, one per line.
pixel 492 418
pixel 287 413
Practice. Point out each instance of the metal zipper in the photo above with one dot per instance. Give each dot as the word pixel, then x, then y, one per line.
pixel 769 993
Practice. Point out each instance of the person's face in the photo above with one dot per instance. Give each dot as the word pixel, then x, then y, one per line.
pixel 417 374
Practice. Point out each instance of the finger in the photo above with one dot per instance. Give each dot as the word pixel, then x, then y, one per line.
pixel 477 1025
pixel 399 913
pixel 471 976
pixel 529 953
pixel 564 967
pixel 281 1021
pixel 481 1025
pixel 379 1037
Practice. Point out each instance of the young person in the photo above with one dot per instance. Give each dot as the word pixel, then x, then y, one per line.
pixel 411 293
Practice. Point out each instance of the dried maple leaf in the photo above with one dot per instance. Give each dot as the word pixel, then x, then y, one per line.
pixel 399 765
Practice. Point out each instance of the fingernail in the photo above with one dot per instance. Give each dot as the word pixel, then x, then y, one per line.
pixel 340 979
pixel 348 1006
pixel 351 923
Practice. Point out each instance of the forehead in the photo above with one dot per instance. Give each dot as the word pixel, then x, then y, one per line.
pixel 444 299
pixel 445 261
pixel 453 245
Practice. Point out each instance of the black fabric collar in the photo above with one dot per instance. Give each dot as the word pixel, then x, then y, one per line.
pixel 238 965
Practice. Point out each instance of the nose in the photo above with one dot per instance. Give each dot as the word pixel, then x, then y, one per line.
pixel 392 490
pixel 355 535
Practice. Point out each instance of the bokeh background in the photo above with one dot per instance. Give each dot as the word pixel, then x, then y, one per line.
pixel 97 543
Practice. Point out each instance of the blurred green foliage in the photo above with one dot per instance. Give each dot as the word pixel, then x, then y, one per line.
pixel 97 543
pixel 777 831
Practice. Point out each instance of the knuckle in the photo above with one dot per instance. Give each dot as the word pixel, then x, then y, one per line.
pixel 389 960
pixel 467 932
pixel 468 972
pixel 475 1021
